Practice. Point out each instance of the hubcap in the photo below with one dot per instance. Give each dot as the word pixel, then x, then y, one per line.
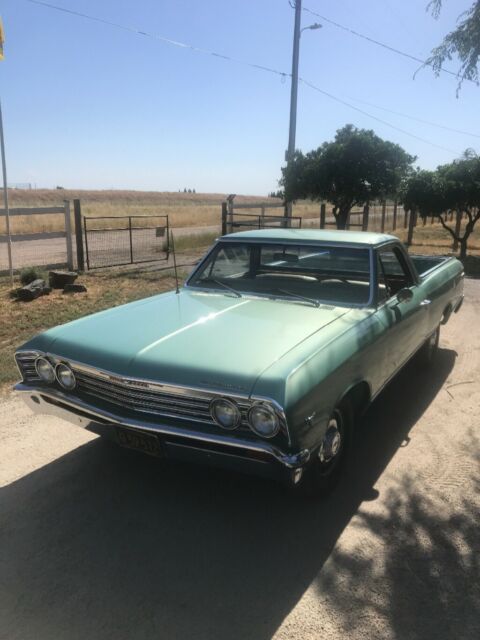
pixel 331 442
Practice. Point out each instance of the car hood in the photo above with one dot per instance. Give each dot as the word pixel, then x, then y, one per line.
pixel 197 339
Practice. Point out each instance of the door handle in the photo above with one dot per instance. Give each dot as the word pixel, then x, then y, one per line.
pixel 425 303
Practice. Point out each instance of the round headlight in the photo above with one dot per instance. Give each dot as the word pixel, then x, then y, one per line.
pixel 263 420
pixel 65 376
pixel 45 370
pixel 225 413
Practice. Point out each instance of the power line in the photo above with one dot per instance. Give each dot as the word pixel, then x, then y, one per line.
pixel 404 115
pixel 365 113
pixel 260 67
pixel 381 44
pixel 155 36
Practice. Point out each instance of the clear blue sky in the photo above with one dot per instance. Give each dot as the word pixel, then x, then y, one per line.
pixel 87 105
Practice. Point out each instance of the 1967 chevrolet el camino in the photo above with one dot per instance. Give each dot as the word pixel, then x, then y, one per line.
pixel 261 362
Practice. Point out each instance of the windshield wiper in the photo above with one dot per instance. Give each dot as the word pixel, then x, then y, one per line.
pixel 316 303
pixel 222 284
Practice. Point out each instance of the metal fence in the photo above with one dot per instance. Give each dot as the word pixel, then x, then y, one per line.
pixel 40 236
pixel 235 220
pixel 118 240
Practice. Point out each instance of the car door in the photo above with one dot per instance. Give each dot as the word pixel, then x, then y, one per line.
pixel 405 321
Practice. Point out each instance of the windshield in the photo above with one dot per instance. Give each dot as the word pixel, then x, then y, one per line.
pixel 308 274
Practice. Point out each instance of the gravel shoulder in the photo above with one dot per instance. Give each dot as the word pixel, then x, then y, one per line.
pixel 98 542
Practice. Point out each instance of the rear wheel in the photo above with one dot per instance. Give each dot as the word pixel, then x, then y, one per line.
pixel 427 353
pixel 329 461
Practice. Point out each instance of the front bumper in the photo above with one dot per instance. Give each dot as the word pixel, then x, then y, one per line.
pixel 227 451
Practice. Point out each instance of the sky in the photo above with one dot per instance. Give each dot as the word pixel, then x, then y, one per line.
pixel 88 105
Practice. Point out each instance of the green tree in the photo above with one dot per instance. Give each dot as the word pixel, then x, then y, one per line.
pixel 357 167
pixel 463 42
pixel 452 187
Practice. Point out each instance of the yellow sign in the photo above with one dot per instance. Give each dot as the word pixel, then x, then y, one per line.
pixel 2 39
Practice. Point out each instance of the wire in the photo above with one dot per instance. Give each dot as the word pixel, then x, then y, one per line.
pixel 365 113
pixel 382 44
pixel 404 115
pixel 277 72
pixel 155 36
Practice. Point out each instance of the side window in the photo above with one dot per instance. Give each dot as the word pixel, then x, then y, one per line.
pixel 230 262
pixel 393 273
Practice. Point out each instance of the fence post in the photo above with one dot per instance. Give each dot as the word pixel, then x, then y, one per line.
pixel 224 218
pixel 68 234
pixel 77 213
pixel 366 211
pixel 322 215
pixel 394 224
pixel 458 224
pixel 411 226
pixel 230 212
pixel 130 238
pixel 384 211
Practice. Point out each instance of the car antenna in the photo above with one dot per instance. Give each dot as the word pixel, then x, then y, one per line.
pixel 177 290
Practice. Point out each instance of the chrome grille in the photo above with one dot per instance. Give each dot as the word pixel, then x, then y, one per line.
pixel 26 364
pixel 185 405
pixel 158 399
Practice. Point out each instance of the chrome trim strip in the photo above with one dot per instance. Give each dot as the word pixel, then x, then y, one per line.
pixel 290 460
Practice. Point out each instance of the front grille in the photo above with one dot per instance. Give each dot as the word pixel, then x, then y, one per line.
pixel 158 399
pixel 26 364
pixel 135 395
pixel 186 405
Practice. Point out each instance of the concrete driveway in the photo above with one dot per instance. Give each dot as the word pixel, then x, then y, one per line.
pixel 101 543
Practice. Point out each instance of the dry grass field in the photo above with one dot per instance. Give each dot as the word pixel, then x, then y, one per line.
pixel 183 209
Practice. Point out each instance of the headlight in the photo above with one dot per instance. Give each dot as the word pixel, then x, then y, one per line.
pixel 65 376
pixel 45 370
pixel 263 420
pixel 225 413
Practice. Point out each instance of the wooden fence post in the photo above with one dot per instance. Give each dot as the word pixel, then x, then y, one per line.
pixel 77 212
pixel 394 224
pixel 230 213
pixel 411 225
pixel 458 225
pixel 322 215
pixel 224 218
pixel 384 211
pixel 68 234
pixel 366 210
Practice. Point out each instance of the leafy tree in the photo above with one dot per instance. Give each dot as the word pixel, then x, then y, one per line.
pixel 452 187
pixel 357 167
pixel 463 42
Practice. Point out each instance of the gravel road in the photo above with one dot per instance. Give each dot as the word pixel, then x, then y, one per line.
pixel 99 542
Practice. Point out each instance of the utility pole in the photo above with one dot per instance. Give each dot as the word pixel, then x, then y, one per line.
pixel 294 93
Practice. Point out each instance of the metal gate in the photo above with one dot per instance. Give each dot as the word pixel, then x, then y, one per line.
pixel 117 240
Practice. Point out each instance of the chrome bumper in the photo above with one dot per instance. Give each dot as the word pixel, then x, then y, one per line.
pixel 53 402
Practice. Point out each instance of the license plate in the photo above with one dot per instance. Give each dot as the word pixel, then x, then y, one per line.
pixel 139 441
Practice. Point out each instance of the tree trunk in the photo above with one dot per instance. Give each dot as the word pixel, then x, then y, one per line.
pixel 341 218
pixel 463 249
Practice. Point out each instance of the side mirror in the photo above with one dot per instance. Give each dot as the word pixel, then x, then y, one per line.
pixel 405 295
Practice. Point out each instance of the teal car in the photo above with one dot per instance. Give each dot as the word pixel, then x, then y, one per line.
pixel 264 359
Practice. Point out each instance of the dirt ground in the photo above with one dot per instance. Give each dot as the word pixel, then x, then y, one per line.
pixel 98 542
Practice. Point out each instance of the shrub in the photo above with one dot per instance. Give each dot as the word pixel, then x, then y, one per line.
pixel 29 274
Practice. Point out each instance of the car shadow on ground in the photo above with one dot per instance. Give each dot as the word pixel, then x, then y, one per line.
pixel 104 543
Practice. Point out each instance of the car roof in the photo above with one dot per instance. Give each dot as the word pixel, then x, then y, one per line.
pixel 313 236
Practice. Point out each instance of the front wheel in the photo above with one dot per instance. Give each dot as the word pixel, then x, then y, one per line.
pixel 329 461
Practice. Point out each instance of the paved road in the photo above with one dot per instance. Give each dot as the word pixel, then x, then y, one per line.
pixel 98 542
